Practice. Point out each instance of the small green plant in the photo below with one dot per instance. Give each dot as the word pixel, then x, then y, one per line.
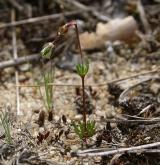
pixel 48 78
pixel 80 129
pixel 86 128
pixel 5 123
pixel 83 129
pixel 82 69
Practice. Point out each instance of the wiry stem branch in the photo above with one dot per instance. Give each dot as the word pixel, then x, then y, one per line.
pixel 84 109
pixel 79 44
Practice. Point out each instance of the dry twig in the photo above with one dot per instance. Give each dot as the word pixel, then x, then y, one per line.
pixel 122 96
pixel 98 84
pixel 142 121
pixel 96 13
pixel 143 17
pixel 99 152
pixel 136 75
pixel 15 56
pixel 16 5
pixel 19 61
pixel 38 19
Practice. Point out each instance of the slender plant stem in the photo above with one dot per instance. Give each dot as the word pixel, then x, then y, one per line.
pixel 79 44
pixel 83 86
pixel 84 109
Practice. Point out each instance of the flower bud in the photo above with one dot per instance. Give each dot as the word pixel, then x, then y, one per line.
pixel 63 30
pixel 46 52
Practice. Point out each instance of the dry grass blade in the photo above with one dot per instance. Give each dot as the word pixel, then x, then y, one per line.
pixel 5 123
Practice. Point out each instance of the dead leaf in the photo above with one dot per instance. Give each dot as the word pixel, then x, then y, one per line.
pixel 117 29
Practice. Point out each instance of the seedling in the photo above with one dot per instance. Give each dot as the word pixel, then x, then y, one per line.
pixel 84 129
pixel 5 123
pixel 48 90
pixel 48 78
pixel 81 132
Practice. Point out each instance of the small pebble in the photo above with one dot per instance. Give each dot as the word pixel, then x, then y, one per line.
pixel 24 67
pixel 71 136
pixel 100 113
pixel 74 147
pixel 56 118
pixel 78 117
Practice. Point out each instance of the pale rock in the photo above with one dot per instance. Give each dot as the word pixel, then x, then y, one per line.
pixel 78 117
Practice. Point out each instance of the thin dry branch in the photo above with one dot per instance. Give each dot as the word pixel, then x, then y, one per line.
pixel 26 59
pixel 38 19
pixel 15 56
pixel 136 75
pixel 135 117
pixel 147 121
pixel 60 85
pixel 122 96
pixel 19 60
pixel 143 17
pixel 96 152
pixel 94 12
pixel 16 5
pixel 146 109
pixel 98 84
